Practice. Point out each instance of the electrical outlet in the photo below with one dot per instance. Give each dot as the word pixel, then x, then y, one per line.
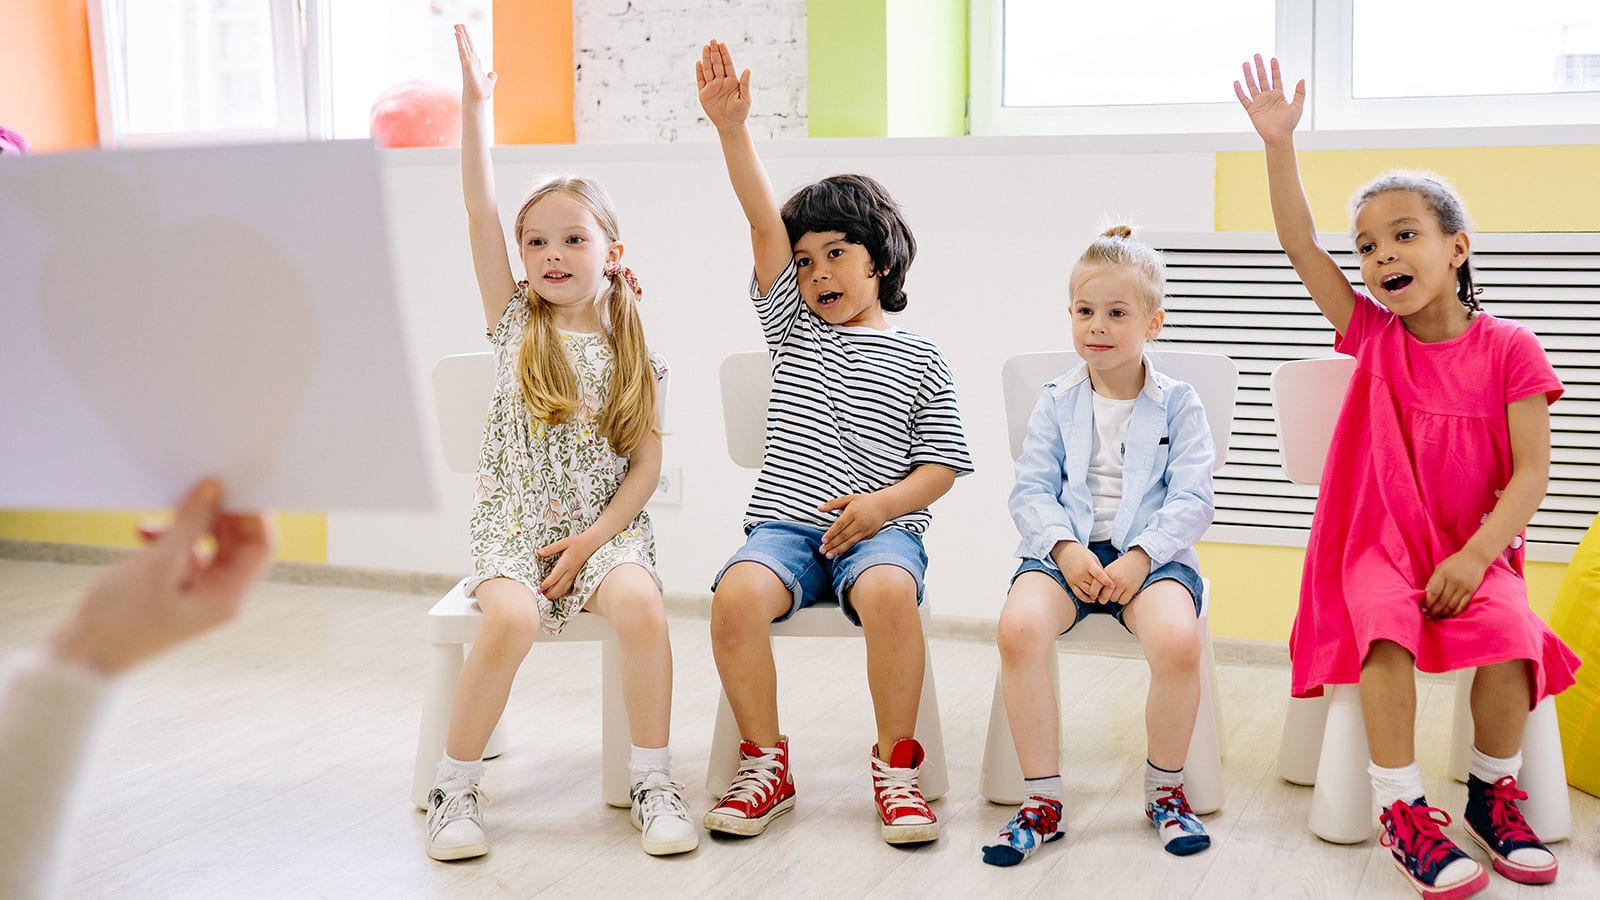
pixel 669 490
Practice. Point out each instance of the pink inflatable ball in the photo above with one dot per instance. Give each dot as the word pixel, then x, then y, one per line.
pixel 417 114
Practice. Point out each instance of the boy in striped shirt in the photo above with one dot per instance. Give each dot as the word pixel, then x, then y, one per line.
pixel 862 435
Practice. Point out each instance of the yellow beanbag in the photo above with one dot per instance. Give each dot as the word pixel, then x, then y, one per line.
pixel 1576 619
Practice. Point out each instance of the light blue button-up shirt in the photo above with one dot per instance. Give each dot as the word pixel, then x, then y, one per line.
pixel 1167 501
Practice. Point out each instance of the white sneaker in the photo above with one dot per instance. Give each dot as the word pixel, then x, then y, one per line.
pixel 455 821
pixel 662 817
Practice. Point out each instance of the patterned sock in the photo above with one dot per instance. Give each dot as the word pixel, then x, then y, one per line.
pixel 644 760
pixel 1155 778
pixel 450 769
pixel 1403 783
pixel 1048 787
pixel 1490 769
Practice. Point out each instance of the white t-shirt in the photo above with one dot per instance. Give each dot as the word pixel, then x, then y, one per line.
pixel 1111 418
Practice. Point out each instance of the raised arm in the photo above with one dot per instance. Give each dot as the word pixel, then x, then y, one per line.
pixel 490 259
pixel 1274 115
pixel 725 96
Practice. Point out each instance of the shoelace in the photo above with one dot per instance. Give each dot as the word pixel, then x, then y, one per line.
pixel 465 802
pixel 1173 806
pixel 1505 814
pixel 1416 832
pixel 757 776
pixel 663 797
pixel 898 787
pixel 1042 819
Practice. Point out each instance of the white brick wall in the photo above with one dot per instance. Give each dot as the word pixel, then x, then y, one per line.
pixel 635 66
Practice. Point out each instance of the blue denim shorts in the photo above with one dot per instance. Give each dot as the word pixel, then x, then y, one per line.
pixel 1105 551
pixel 794 553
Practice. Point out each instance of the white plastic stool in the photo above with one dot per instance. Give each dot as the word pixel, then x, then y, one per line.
pixel 453 623
pixel 1202 770
pixel 825 620
pixel 1342 807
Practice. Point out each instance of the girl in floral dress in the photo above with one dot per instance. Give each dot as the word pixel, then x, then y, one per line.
pixel 571 452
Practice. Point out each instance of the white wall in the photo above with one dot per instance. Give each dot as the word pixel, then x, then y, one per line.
pixel 998 223
pixel 628 87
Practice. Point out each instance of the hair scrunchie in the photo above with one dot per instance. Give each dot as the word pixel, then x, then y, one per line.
pixel 616 269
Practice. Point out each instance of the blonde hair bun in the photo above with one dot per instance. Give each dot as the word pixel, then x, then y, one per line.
pixel 1118 231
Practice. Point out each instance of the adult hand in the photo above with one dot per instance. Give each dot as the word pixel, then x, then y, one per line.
pixel 171 590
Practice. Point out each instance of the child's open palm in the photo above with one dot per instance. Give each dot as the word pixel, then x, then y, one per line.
pixel 724 92
pixel 477 86
pixel 1271 111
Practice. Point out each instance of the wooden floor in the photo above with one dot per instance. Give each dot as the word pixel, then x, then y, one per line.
pixel 274 760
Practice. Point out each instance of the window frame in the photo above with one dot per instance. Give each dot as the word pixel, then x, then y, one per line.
pixel 1312 36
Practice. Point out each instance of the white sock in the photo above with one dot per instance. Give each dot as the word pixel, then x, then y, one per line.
pixel 644 760
pixel 1489 769
pixel 450 769
pixel 1155 778
pixel 1403 783
pixel 1048 787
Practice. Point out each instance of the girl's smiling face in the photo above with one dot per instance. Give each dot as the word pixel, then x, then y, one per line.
pixel 1408 262
pixel 1111 320
pixel 564 251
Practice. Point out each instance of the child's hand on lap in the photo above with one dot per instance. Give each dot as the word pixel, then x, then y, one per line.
pixel 1082 569
pixel 724 93
pixel 862 517
pixel 1452 585
pixel 575 551
pixel 1127 573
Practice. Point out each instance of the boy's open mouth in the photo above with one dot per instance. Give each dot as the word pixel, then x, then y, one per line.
pixel 827 298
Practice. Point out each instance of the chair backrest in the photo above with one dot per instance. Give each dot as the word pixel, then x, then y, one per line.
pixel 1213 376
pixel 462 386
pixel 1306 397
pixel 746 383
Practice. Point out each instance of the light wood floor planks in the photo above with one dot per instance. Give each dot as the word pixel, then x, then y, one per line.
pixel 273 759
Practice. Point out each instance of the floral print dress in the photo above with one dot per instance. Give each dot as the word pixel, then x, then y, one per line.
pixel 540 483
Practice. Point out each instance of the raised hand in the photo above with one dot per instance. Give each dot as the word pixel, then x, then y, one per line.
pixel 477 86
pixel 1271 111
pixel 724 92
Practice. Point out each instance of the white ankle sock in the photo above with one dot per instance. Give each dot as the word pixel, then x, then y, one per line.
pixel 644 760
pixel 455 768
pixel 1403 783
pixel 1048 787
pixel 1156 778
pixel 1488 768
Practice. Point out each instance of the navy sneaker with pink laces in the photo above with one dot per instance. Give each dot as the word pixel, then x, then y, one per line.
pixel 1434 865
pixel 1495 821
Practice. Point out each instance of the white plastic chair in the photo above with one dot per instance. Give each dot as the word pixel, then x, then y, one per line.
pixel 462 386
pixel 1216 379
pixel 746 383
pixel 1324 739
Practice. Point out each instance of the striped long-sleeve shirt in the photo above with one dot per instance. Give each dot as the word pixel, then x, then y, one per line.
pixel 853 410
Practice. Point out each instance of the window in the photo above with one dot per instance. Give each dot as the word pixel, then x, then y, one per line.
pixel 248 70
pixel 1046 67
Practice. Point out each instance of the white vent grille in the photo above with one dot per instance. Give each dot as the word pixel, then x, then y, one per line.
pixel 1235 293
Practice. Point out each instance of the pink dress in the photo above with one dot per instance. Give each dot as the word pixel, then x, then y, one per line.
pixel 1419 454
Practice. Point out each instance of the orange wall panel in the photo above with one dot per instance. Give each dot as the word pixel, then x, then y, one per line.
pixel 533 59
pixel 47 95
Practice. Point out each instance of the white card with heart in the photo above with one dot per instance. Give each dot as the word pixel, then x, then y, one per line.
pixel 168 314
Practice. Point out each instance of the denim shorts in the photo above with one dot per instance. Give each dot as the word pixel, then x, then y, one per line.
pixel 794 553
pixel 1105 551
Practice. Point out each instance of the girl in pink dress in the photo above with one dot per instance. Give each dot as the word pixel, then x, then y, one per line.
pixel 1440 457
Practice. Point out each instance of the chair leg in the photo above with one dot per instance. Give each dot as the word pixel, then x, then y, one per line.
pixel 444 667
pixel 1341 802
pixel 1303 725
pixel 1461 726
pixel 616 744
pixel 724 760
pixel 935 776
pixel 1202 768
pixel 1548 808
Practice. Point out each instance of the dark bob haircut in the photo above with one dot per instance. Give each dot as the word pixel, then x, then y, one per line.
pixel 860 208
